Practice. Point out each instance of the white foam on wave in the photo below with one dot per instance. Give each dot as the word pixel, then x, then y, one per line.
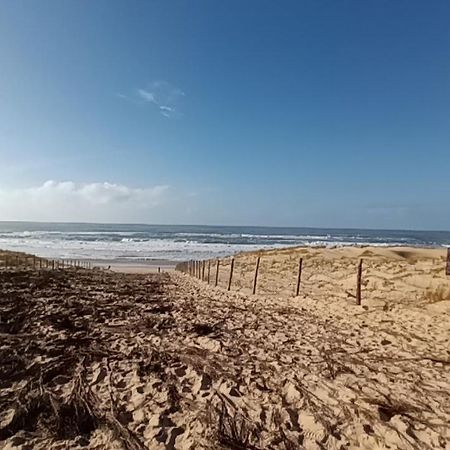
pixel 125 249
pixel 167 249
pixel 173 243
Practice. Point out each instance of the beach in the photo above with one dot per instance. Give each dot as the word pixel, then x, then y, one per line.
pixel 224 225
pixel 100 359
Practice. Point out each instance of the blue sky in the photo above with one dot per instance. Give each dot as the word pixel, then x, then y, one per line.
pixel 291 113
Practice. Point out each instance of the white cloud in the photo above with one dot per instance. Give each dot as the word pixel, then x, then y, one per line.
pixel 147 96
pixel 69 201
pixel 165 97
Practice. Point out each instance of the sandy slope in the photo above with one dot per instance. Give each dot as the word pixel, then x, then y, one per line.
pixel 103 360
pixel 391 276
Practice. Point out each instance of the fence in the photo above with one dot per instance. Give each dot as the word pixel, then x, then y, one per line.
pixel 10 260
pixel 197 269
pixel 362 279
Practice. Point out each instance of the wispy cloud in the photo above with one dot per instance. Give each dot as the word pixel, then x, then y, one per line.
pixel 162 95
pixel 67 200
pixel 146 95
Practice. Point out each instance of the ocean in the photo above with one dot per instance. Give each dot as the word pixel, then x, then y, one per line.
pixel 147 243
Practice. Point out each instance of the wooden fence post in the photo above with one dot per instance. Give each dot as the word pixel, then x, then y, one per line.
pixel 53 264
pixel 231 273
pixel 447 271
pixel 255 279
pixel 203 270
pixel 217 272
pixel 299 276
pixel 358 283
pixel 209 269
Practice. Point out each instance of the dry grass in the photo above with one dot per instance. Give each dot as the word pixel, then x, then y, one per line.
pixel 441 293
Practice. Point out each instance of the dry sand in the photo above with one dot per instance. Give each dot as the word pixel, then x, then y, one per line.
pixel 93 359
pixel 136 267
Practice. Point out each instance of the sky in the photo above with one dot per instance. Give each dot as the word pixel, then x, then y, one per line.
pixel 290 113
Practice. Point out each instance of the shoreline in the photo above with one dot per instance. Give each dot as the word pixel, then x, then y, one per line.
pixel 153 266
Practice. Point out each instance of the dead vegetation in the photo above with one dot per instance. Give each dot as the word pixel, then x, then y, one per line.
pixel 441 293
pixel 234 431
pixel 102 360
pixel 52 334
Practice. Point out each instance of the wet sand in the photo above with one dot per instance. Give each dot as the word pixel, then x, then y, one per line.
pixel 96 359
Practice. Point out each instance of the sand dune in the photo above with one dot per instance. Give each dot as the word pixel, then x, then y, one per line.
pixel 391 276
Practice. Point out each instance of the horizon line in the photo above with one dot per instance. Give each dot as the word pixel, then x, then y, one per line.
pixel 219 226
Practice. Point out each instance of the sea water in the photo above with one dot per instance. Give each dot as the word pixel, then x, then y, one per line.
pixel 146 243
